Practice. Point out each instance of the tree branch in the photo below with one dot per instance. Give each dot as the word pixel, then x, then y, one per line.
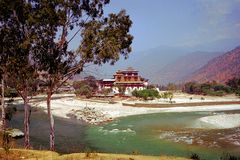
pixel 77 31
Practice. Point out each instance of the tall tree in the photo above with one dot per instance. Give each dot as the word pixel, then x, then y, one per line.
pixel 103 39
pixel 16 34
pixel 5 45
pixel 23 77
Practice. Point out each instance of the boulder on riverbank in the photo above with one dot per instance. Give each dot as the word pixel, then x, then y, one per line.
pixel 15 133
pixel 89 115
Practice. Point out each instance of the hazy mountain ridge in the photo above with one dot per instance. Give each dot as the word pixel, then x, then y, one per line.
pixel 183 66
pixel 146 62
pixel 220 69
pixel 157 64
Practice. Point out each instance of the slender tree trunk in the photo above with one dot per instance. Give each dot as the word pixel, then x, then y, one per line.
pixel 26 123
pixel 3 107
pixel 51 121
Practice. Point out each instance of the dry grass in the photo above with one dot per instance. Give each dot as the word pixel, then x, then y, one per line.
pixel 102 156
pixel 18 154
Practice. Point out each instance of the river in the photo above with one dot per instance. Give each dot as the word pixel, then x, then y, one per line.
pixel 152 134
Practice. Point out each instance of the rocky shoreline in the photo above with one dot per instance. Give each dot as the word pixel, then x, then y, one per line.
pixel 90 115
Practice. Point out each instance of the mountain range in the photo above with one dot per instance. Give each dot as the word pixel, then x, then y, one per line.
pixel 165 64
pixel 176 71
pixel 220 69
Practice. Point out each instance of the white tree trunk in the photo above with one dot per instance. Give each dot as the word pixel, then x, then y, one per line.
pixel 3 108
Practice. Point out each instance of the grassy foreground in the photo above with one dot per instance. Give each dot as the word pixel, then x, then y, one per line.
pixel 17 154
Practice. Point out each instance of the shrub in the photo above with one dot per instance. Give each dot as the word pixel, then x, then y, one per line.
pixel 234 84
pixel 78 84
pixel 86 87
pixel 214 93
pixel 106 91
pixel 238 92
pixel 146 94
pixel 10 92
pixel 195 156
pixel 192 88
pixel 167 95
pixel 84 90
pixel 209 88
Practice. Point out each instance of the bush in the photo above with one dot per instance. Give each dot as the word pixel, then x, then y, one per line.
pixel 167 95
pixel 146 94
pixel 78 84
pixel 106 91
pixel 209 88
pixel 238 92
pixel 86 87
pixel 84 90
pixel 195 156
pixel 10 92
pixel 214 93
pixel 234 84
pixel 192 88
pixel 90 81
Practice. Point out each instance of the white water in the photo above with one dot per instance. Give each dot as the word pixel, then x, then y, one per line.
pixel 222 121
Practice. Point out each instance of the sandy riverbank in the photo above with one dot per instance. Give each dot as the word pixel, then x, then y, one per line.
pixel 69 104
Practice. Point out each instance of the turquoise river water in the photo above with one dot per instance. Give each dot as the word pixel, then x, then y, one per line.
pixel 151 134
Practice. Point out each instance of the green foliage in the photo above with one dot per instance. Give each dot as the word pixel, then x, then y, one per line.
pixel 84 90
pixel 234 85
pixel 92 82
pixel 195 156
pixel 228 156
pixel 86 87
pixel 103 40
pixel 9 92
pixel 35 36
pixel 192 88
pixel 167 95
pixel 209 88
pixel 237 92
pixel 78 84
pixel 146 94
pixel 106 91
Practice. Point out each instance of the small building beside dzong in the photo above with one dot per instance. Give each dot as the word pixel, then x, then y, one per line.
pixel 128 79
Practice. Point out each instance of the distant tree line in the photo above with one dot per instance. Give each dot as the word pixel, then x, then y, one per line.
pixel 213 88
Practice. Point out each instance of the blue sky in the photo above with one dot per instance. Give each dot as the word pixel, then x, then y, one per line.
pixel 191 24
pixel 179 22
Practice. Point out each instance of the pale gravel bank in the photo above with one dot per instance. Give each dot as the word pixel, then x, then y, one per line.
pixel 69 104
